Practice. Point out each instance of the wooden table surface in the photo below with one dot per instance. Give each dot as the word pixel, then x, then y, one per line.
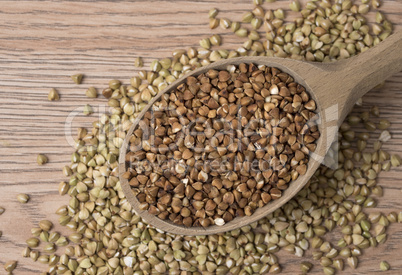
pixel 42 43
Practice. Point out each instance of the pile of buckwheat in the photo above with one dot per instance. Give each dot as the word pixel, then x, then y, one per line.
pixel 221 145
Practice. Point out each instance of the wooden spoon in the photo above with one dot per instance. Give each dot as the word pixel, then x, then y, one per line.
pixel 334 86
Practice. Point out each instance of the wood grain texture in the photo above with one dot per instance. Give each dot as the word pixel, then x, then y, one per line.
pixel 42 43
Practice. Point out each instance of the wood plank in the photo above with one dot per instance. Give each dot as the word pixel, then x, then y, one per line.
pixel 42 43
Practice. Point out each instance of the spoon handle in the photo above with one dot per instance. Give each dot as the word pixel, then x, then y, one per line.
pixel 340 84
pixel 361 73
pixel 377 64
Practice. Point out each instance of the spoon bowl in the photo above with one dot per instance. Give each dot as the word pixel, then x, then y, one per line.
pixel 335 87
